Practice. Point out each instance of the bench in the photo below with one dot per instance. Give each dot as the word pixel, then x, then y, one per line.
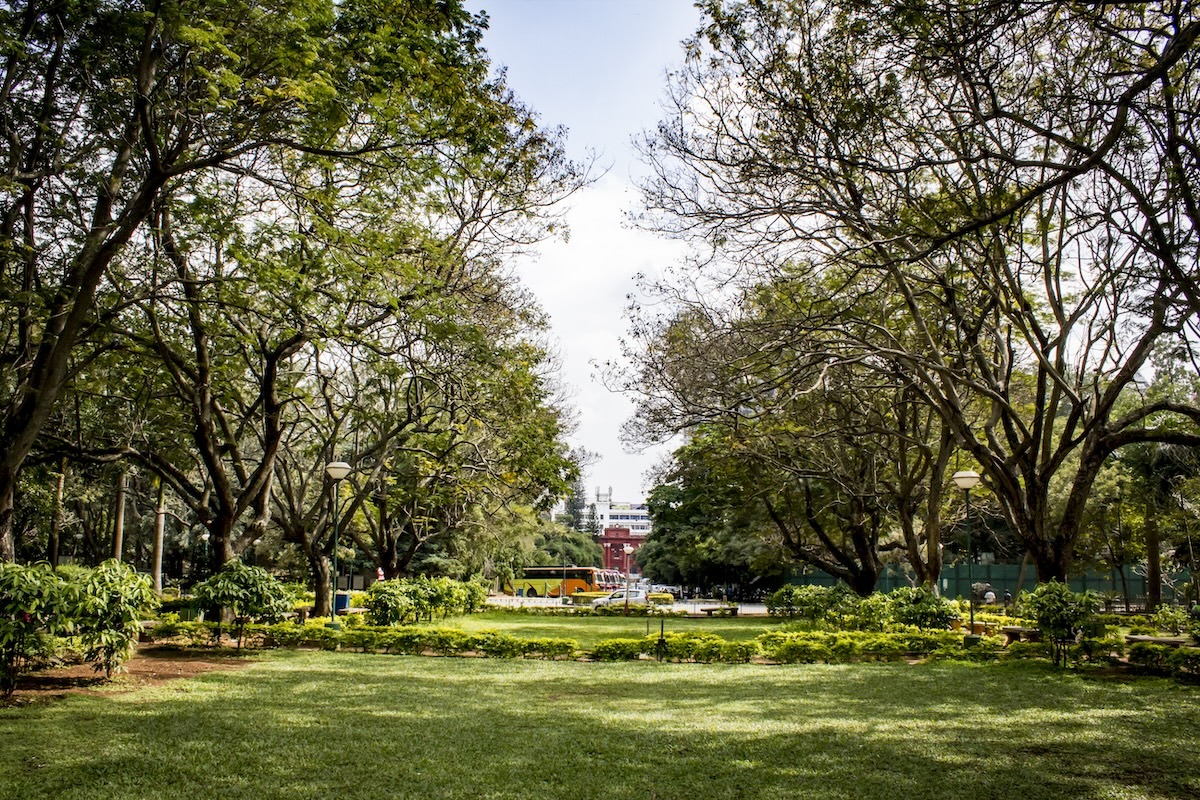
pixel 721 611
pixel 1017 633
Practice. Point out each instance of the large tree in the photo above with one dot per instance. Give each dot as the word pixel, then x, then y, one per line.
pixel 108 109
pixel 1013 183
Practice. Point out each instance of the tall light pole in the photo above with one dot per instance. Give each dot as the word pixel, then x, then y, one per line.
pixel 337 471
pixel 967 480
pixel 628 550
pixel 204 537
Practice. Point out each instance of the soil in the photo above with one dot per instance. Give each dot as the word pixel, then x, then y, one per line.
pixel 150 665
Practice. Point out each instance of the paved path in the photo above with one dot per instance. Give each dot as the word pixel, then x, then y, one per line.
pixel 689 606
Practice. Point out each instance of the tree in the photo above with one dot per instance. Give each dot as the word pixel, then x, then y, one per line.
pixel 574 514
pixel 706 531
pixel 109 108
pixel 1010 182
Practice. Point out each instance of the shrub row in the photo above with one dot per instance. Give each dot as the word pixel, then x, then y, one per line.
pixel 407 640
pixel 1159 658
pixel 786 647
pixel 839 608
pixel 409 600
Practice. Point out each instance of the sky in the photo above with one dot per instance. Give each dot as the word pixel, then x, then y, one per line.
pixel 597 67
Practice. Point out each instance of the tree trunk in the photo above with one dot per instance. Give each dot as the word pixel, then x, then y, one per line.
pixel 119 518
pixel 1153 562
pixel 8 550
pixel 160 519
pixel 323 601
pixel 55 543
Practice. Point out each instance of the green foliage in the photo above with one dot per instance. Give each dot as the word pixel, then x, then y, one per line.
pixel 847 646
pixel 619 649
pixel 1061 613
pixel 839 608
pixel 248 593
pixel 113 602
pixel 1171 619
pixel 550 647
pixel 920 607
pixel 818 604
pixel 34 602
pixel 404 601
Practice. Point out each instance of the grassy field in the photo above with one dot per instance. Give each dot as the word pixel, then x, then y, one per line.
pixel 344 725
pixel 590 630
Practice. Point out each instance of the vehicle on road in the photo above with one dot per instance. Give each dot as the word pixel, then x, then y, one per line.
pixel 617 598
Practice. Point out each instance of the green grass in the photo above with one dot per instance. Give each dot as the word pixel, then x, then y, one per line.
pixel 590 630
pixel 347 726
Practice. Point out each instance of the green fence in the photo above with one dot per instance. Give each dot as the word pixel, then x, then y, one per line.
pixel 1003 578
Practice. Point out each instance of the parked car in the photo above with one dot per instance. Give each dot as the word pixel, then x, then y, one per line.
pixel 617 598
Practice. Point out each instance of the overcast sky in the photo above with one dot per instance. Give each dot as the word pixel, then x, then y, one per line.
pixel 597 67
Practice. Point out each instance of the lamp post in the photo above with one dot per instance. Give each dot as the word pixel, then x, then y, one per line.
pixel 337 471
pixel 628 550
pixel 562 591
pixel 204 537
pixel 966 480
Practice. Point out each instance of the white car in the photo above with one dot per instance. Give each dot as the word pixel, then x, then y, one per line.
pixel 617 598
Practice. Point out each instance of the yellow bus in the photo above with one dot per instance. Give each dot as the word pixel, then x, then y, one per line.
pixel 549 581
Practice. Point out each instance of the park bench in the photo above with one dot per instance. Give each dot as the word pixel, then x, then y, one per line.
pixel 721 611
pixel 1018 633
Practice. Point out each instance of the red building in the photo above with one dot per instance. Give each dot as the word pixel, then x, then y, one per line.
pixel 613 541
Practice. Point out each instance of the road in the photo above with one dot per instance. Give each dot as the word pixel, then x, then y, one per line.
pixel 688 606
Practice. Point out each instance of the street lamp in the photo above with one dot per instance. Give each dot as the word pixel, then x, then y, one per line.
pixel 204 537
pixel 337 471
pixel 966 480
pixel 628 550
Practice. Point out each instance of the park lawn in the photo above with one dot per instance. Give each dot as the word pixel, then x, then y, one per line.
pixel 343 725
pixel 588 630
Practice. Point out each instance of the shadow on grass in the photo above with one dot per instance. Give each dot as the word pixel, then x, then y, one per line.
pixel 350 726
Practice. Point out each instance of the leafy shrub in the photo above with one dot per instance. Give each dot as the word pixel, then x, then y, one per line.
pixel 550 647
pixel 1149 655
pixel 34 602
pixel 920 607
pixel 824 604
pixel 497 645
pixel 365 640
pixel 1171 619
pixel 683 646
pixel 619 649
pixel 403 601
pixel 727 652
pixel 871 613
pixel 1185 660
pixel 1061 613
pixel 113 600
pixel 799 650
pixel 1026 650
pixel 248 593
pixel 1109 649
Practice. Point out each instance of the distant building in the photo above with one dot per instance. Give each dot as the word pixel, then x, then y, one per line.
pixel 634 516
pixel 621 524
pixel 613 542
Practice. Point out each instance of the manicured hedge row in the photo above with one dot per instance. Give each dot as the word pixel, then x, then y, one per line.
pixel 785 647
pixel 408 640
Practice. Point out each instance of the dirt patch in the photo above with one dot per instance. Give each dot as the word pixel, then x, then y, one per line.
pixel 151 665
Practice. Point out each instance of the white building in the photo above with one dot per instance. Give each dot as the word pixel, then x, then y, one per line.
pixel 634 516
